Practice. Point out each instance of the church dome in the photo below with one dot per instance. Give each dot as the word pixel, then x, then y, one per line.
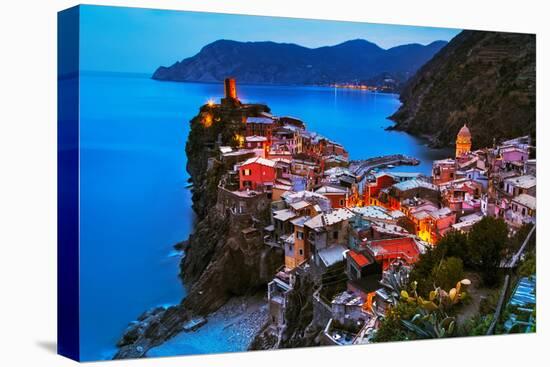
pixel 464 133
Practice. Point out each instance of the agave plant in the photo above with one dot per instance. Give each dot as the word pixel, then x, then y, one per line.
pixel 430 325
pixel 432 320
pixel 396 280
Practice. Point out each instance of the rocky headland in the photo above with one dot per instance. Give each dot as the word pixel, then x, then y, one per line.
pixel 222 260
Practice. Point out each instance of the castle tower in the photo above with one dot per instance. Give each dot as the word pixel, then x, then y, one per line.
pixel 463 141
pixel 230 88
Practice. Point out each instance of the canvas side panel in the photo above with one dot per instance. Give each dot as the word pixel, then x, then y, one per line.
pixel 68 341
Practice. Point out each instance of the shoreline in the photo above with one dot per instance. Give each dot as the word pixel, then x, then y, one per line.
pixel 229 329
pixel 327 86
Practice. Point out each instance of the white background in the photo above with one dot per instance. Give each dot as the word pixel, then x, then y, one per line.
pixel 28 181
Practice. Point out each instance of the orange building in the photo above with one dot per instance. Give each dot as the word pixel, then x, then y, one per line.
pixel 296 249
pixel 443 171
pixel 338 195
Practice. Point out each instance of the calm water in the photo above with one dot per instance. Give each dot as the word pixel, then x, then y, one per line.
pixel 134 204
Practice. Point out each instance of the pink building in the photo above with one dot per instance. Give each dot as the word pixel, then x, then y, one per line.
pixel 514 154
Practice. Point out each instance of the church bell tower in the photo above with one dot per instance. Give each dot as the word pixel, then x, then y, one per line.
pixel 463 141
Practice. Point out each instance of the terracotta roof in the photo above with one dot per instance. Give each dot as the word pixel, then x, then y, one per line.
pixel 404 248
pixel 359 258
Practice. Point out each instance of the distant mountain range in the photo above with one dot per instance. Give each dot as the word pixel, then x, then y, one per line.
pixel 484 79
pixel 356 61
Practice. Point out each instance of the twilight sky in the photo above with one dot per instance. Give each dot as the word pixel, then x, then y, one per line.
pixel 140 40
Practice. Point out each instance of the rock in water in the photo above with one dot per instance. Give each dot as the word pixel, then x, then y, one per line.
pixel 194 323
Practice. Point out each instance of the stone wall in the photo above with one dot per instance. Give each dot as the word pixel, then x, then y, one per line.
pixel 321 311
pixel 238 203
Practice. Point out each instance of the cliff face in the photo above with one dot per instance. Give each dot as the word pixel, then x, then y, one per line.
pixel 221 260
pixel 282 63
pixel 301 329
pixel 235 265
pixel 484 79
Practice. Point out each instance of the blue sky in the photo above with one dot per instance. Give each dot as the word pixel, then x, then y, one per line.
pixel 140 40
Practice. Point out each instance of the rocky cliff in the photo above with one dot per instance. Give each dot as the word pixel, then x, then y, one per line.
pixel 221 260
pixel 283 63
pixel 301 330
pixel 484 79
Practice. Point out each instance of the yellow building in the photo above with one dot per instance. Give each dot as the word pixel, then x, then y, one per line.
pixel 463 141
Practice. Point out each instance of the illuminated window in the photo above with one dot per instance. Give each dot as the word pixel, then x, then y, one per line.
pixel 247 172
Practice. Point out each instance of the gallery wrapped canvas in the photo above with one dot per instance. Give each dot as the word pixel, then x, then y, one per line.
pixel 233 182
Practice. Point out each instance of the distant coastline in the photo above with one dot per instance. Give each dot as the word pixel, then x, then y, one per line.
pixel 355 62
pixel 145 75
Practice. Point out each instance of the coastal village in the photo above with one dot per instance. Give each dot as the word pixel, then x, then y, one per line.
pixel 356 227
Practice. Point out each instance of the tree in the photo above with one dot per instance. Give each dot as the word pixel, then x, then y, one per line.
pixel 486 242
pixel 528 266
pixel 477 325
pixel 455 244
pixel 448 272
pixel 423 269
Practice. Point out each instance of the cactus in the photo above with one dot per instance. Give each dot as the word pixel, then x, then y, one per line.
pixel 432 320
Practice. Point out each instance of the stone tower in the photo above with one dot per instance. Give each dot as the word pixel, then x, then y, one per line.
pixel 463 141
pixel 230 88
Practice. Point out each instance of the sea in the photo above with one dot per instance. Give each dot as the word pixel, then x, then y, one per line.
pixel 135 199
